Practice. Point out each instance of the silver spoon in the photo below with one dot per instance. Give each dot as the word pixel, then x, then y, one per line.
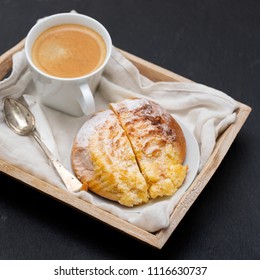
pixel 19 118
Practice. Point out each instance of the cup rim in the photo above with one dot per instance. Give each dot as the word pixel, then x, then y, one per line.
pixel 71 14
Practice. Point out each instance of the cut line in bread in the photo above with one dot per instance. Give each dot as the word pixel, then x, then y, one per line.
pixel 104 162
pixel 158 144
pixel 130 153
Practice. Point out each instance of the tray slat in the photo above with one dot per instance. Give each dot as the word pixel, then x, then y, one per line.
pixel 159 238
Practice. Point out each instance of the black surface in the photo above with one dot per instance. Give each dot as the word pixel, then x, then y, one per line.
pixel 216 43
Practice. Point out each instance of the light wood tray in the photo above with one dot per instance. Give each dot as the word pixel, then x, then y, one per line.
pixel 159 238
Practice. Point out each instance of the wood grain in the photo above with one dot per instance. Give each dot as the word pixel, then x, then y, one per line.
pixel 6 59
pixel 159 238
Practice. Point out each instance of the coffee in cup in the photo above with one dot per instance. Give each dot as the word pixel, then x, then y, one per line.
pixel 69 51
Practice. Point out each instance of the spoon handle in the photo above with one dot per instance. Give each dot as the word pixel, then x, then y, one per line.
pixel 70 181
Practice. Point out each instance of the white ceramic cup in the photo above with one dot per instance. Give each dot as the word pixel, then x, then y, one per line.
pixel 73 96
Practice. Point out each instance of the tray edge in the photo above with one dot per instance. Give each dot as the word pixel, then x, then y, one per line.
pixel 155 73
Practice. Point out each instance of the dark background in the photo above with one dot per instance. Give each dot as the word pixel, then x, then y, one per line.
pixel 216 43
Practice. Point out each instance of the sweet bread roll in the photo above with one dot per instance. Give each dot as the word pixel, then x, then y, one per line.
pixel 131 153
pixel 104 162
pixel 157 141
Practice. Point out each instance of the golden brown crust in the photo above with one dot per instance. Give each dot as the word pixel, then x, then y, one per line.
pixel 130 153
pixel 158 122
pixel 158 143
pixel 104 162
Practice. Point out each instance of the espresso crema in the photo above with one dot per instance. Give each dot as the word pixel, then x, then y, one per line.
pixel 69 51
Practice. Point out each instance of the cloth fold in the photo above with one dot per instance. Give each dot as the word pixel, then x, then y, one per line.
pixel 205 111
pixel 15 84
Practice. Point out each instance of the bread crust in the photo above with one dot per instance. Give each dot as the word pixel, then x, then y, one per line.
pixel 131 153
pixel 157 141
pixel 142 115
pixel 103 160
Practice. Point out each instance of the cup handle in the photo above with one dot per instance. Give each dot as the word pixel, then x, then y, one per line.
pixel 86 100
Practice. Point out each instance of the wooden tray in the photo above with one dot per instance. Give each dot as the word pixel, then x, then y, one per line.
pixel 159 238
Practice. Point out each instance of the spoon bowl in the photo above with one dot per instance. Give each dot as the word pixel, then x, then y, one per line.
pixel 20 119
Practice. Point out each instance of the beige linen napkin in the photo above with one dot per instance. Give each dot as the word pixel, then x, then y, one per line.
pixel 204 110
